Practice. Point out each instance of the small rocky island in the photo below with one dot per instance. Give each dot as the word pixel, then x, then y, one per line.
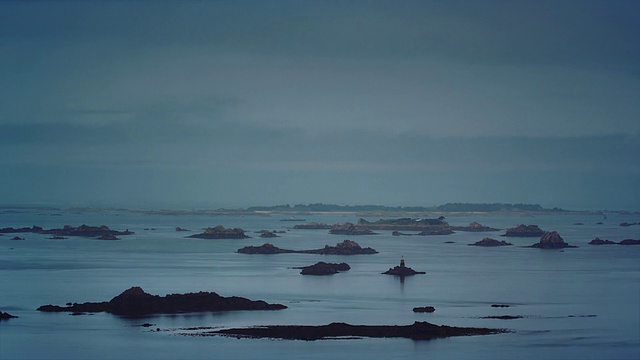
pixel 350 229
pixel 323 268
pixel 488 242
pixel 68 230
pixel 598 241
pixel 552 240
pixel 474 227
pixel 136 302
pixel 424 309
pixel 524 231
pixel 219 232
pixel 347 247
pixel 5 316
pixel 268 234
pixel 417 331
pixel 402 270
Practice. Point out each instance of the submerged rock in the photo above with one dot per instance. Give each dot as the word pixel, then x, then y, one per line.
pixel 490 242
pixel 551 240
pixel 136 302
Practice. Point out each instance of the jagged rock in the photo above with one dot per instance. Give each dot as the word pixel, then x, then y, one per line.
pixel 424 309
pixel 179 229
pixel 490 242
pixel 598 241
pixel 524 231
pixel 323 268
pixel 268 234
pixel 552 240
pixel 417 331
pixel 347 247
pixel 474 227
pixel 219 232
pixel 5 316
pixel 350 230
pixel 136 302
pixel 629 242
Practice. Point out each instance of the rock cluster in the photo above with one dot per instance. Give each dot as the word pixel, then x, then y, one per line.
pixel 347 247
pixel 551 240
pixel 68 230
pixel 136 302
pixel 219 232
pixel 350 230
pixel 474 227
pixel 598 241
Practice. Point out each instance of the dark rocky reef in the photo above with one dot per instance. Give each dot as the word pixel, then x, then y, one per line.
pixel 524 231
pixel 490 242
pixel 313 226
pixel 626 224
pixel 17 238
pixel 551 240
pixel 629 242
pixel 402 271
pixel 323 268
pixel 350 230
pixel 108 237
pixel 136 302
pixel 179 229
pixel 219 232
pixel 5 316
pixel 503 317
pixel 398 233
pixel 68 230
pixel 436 231
pixel 474 227
pixel 268 234
pixel 424 309
pixel 500 305
pixel 417 331
pixel 58 238
pixel 598 241
pixel 347 247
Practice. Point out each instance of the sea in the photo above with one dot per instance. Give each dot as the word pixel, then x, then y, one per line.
pixel 575 303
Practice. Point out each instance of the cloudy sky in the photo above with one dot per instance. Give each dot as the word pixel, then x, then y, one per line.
pixel 192 104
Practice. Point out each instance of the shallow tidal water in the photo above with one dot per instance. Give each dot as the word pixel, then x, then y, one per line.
pixel 581 303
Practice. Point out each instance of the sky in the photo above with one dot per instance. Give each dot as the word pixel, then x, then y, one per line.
pixel 206 104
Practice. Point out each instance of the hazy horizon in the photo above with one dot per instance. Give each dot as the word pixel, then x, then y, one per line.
pixel 232 104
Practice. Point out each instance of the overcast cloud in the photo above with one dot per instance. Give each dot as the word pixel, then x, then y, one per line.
pixel 237 103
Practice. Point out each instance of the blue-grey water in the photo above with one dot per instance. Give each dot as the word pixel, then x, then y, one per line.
pixel 555 290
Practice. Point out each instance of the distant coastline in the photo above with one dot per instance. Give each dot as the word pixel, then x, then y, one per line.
pixel 449 209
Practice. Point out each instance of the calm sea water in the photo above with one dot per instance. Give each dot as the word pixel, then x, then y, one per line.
pixel 555 290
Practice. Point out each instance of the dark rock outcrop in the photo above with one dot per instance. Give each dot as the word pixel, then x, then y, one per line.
pixel 179 229
pixel 500 305
pixel 350 229
pixel 219 232
pixel 490 242
pixel 474 227
pixel 524 231
pixel 551 240
pixel 405 224
pixel 503 317
pixel 629 242
pixel 598 241
pixel 17 238
pixel 265 249
pixel 5 316
pixel 417 331
pixel 323 268
pixel 347 247
pixel 108 237
pixel 313 226
pixel 398 233
pixel 626 224
pixel 268 234
pixel 136 302
pixel 436 231
pixel 58 238
pixel 68 230
pixel 424 309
